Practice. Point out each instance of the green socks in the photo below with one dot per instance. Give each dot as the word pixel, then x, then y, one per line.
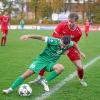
pixel 17 82
pixel 20 80
pixel 53 75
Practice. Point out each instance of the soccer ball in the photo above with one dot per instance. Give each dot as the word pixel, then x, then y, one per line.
pixel 25 90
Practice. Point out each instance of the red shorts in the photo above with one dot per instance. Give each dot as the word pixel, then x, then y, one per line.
pixel 73 54
pixel 4 31
pixel 86 29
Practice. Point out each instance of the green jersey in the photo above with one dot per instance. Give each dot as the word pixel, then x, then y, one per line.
pixel 53 50
pixel 22 22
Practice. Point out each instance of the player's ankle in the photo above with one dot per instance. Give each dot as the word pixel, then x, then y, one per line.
pixel 39 76
pixel 11 88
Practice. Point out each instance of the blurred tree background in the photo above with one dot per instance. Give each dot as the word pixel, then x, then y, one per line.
pixel 40 11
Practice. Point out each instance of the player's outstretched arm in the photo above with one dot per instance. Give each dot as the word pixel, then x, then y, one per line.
pixel 38 37
pixel 78 49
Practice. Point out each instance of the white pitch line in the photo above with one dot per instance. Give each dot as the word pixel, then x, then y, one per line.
pixel 63 82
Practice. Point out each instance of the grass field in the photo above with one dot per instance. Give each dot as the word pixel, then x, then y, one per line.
pixel 17 55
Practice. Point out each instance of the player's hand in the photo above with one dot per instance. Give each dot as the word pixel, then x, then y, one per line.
pixel 24 37
pixel 82 55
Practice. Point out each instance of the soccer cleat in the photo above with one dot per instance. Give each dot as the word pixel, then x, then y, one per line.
pixel 44 83
pixel 83 83
pixel 37 80
pixel 7 91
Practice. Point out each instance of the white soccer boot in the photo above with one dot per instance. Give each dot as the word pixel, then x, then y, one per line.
pixel 7 91
pixel 44 83
pixel 83 83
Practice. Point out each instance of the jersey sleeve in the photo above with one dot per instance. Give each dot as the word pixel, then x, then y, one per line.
pixel 52 41
pixel 58 30
pixel 79 31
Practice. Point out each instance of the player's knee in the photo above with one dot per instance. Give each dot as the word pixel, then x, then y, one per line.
pixel 80 67
pixel 27 74
pixel 4 35
pixel 58 68
pixel 61 67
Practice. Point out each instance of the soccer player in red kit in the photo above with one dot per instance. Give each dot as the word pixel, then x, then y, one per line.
pixel 69 28
pixel 87 25
pixel 4 20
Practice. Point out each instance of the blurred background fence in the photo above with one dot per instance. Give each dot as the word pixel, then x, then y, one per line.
pixel 50 11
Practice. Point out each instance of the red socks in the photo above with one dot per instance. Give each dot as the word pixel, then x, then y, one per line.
pixel 86 34
pixel 80 73
pixel 42 72
pixel 3 41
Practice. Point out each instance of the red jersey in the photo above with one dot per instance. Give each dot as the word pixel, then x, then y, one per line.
pixel 87 23
pixel 63 29
pixel 4 21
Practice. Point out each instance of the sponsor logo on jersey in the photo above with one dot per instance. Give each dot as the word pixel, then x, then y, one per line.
pixel 59 51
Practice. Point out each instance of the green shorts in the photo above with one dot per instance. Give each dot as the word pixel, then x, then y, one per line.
pixel 36 66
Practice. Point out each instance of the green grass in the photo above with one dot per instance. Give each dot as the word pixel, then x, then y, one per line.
pixel 17 55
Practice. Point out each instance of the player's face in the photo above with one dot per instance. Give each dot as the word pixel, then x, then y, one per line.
pixel 71 23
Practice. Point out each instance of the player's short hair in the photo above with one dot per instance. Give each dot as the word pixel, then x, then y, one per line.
pixel 66 39
pixel 73 15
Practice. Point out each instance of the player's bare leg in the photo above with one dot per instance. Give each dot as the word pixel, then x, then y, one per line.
pixel 57 69
pixel 39 77
pixel 80 72
pixel 2 39
pixel 18 81
pixel 5 38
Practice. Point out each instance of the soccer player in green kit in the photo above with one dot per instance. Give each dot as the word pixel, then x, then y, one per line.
pixel 22 24
pixel 46 60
